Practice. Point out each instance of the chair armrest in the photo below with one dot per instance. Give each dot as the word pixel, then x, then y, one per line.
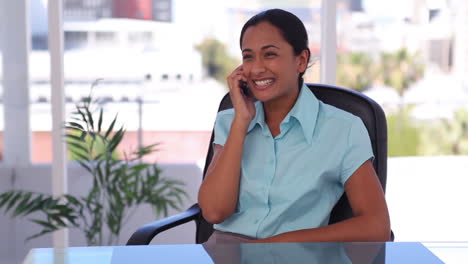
pixel 146 233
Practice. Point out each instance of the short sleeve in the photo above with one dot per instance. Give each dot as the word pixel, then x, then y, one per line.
pixel 222 126
pixel 358 150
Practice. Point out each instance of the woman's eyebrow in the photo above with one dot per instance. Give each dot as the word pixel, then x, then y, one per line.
pixel 263 48
pixel 269 46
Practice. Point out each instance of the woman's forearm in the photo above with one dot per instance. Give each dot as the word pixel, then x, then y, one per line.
pixel 358 228
pixel 219 191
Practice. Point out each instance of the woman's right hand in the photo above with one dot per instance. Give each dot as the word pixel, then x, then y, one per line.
pixel 219 191
pixel 243 105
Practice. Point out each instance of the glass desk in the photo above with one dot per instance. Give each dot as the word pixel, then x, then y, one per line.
pixel 355 252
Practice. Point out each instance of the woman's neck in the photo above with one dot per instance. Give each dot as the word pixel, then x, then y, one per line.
pixel 276 111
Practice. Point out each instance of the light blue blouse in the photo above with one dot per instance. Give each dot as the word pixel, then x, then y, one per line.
pixel 292 181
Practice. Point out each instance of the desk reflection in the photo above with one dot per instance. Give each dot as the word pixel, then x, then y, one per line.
pixel 389 253
pixel 297 253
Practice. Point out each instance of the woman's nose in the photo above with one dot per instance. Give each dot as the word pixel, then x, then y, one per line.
pixel 258 66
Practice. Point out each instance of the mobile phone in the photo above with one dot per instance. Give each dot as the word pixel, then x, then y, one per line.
pixel 245 88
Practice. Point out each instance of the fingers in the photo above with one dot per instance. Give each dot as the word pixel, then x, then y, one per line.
pixel 241 103
pixel 234 80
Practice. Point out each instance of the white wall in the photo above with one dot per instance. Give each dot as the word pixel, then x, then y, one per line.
pixel 427 198
pixel 13 247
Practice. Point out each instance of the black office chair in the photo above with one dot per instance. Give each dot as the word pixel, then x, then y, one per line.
pixel 356 103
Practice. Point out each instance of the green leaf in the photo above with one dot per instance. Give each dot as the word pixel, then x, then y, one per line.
pixel 5 197
pixel 111 127
pixel 83 135
pixel 58 220
pixel 76 125
pixel 76 138
pixel 95 83
pixel 83 116
pixel 45 224
pixel 100 175
pixel 84 165
pixel 80 146
pixel 139 167
pixel 16 196
pixel 145 151
pixel 50 203
pixel 81 156
pixel 22 206
pixel 75 118
pixel 72 199
pixel 43 232
pixel 116 139
pixel 36 204
pixel 161 189
pixel 75 129
pixel 99 156
pixel 90 119
pixel 93 135
pixel 100 120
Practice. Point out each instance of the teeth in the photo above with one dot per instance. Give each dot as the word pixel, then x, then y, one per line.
pixel 263 82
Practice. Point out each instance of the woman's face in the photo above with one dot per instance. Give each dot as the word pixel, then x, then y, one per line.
pixel 269 63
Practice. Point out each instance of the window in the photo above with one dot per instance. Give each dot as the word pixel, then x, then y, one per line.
pixel 162 10
pixel 95 50
pixel 87 9
pixel 75 39
pixel 178 68
pixel 412 61
pixel 105 38
pixel 140 38
pixel 409 56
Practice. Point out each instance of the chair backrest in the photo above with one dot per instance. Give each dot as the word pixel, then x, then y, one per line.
pixel 356 103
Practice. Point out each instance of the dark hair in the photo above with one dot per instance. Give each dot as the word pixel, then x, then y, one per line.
pixel 290 26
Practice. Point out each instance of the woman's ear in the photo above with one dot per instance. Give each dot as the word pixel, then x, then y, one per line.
pixel 303 60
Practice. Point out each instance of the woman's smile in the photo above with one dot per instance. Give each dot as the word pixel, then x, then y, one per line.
pixel 263 84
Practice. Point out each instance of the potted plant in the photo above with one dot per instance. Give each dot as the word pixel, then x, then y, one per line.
pixel 119 184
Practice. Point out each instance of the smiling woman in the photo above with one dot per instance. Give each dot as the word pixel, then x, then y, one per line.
pixel 281 163
pixel 270 65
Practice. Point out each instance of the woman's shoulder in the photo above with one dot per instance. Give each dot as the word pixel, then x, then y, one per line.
pixel 225 115
pixel 330 113
pixel 224 120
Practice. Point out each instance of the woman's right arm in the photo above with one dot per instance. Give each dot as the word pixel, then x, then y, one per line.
pixel 219 190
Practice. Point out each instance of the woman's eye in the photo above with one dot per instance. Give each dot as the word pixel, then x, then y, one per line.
pixel 270 54
pixel 247 56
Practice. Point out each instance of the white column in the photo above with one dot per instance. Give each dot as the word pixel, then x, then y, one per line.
pixel 59 162
pixel 328 43
pixel 15 46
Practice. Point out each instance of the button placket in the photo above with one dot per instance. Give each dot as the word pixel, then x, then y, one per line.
pixel 265 189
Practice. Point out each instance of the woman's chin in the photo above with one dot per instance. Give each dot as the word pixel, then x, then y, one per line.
pixel 262 97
